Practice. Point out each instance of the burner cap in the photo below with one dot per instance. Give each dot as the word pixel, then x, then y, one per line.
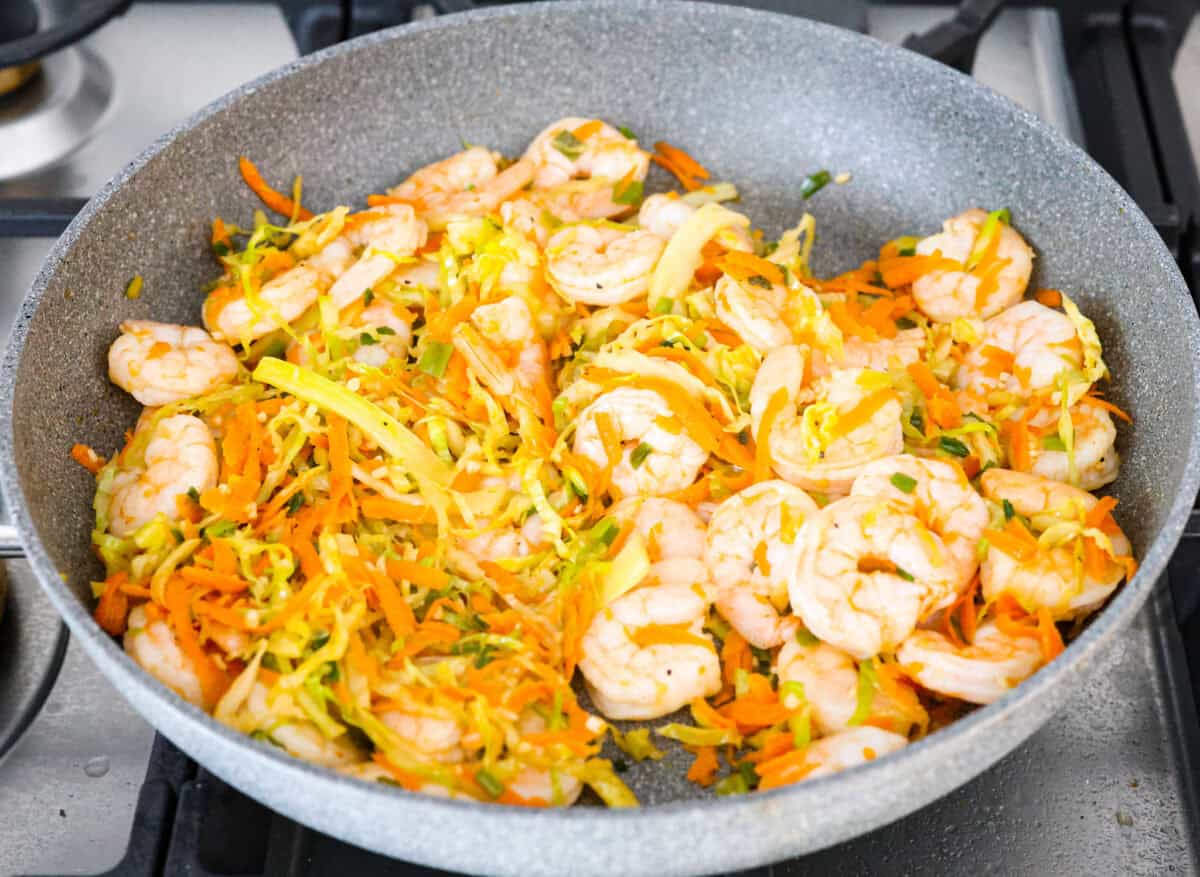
pixel 18 19
pixel 54 113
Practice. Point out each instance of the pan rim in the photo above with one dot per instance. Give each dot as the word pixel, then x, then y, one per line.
pixel 1082 651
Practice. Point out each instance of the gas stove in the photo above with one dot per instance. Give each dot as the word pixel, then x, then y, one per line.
pixel 1109 785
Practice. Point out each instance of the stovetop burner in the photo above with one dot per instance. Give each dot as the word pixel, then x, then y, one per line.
pixel 55 112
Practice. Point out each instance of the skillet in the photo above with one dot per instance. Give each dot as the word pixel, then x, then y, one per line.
pixel 764 100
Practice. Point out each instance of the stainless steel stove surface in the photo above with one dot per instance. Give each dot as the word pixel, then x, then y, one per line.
pixel 1106 787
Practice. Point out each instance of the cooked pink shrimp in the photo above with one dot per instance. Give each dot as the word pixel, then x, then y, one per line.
pixel 181 455
pixel 1053 575
pixel 906 348
pixel 940 494
pixel 160 363
pixel 947 295
pixel 638 417
pixel 393 340
pixel 153 646
pixel 1041 342
pixel 599 265
pixel 867 572
pixel 469 183
pixel 838 752
pixel 806 445
pixel 1096 461
pixel 559 156
pixel 977 673
pixel 751 553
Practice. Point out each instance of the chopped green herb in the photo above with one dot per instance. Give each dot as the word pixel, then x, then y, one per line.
pixel 626 133
pixel 904 574
pixel 628 193
pixel 759 281
pixel 762 660
pixel 193 494
pixel 904 483
pixel 605 530
pixel 867 680
pixel 905 323
pixel 743 437
pixel 906 251
pixel 739 782
pixel 367 338
pixel 1009 511
pixel 490 784
pixel 639 455
pixel 1053 443
pixel 568 144
pixel 435 358
pixel 953 446
pixel 333 673
pixel 295 504
pixel 133 289
pixel 218 529
pixel 368 296
pixel 384 330
pixel 814 183
pixel 1002 215
pixel 319 640
pixel 620 765
pixel 917 421
pixel 221 248
pixel 664 306
pixel 805 638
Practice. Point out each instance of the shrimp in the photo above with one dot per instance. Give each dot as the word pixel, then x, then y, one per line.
pixel 181 455
pixel 906 348
pixel 505 351
pixel 558 155
pixel 390 346
pixel 813 448
pixel 631 681
pixel 528 217
pixel 1023 350
pixel 153 646
pixel 1053 575
pixel 277 715
pixel 763 317
pixel 837 752
pixel 867 572
pixel 939 493
pixel 978 673
pixel 396 233
pixel 945 296
pixel 671 529
pixel 751 545
pixel 663 214
pixel 1096 459
pixel 535 785
pixel 432 736
pixel 637 416
pixel 161 363
pixel 830 680
pixel 469 183
pixel 599 265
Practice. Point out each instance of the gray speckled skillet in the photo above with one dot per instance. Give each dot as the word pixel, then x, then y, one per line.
pixel 764 100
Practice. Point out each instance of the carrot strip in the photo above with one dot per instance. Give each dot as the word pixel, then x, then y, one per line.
pixel 1051 298
pixel 762 452
pixel 1048 635
pixel 1107 406
pixel 396 510
pixel 587 129
pixel 742 266
pixel 668 634
pixel 210 579
pixel 87 458
pixel 420 575
pixel 112 610
pixel 681 160
pixel 1100 512
pixel 903 270
pixel 861 413
pixel 179 616
pixel 704 769
pixel 277 201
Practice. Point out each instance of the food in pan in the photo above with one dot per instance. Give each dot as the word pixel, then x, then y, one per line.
pixel 514 425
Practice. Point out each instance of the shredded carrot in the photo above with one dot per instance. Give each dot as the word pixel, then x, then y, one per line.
pixel 417 573
pixel 861 413
pixel 708 717
pixel 1093 399
pixel 735 655
pixel 668 634
pixel 277 201
pixel 903 270
pixel 396 510
pixel 396 611
pixel 924 379
pixel 210 579
pixel 704 769
pixel 742 266
pixel 87 458
pixel 1051 298
pixel 681 160
pixel 587 129
pixel 1048 635
pixel 113 609
pixel 212 681
pixel 945 411
pixel 1100 513
pixel 762 452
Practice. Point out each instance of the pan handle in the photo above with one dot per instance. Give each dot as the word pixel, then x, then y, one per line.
pixel 955 41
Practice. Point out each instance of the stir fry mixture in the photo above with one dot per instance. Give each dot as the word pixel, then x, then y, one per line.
pixel 514 422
